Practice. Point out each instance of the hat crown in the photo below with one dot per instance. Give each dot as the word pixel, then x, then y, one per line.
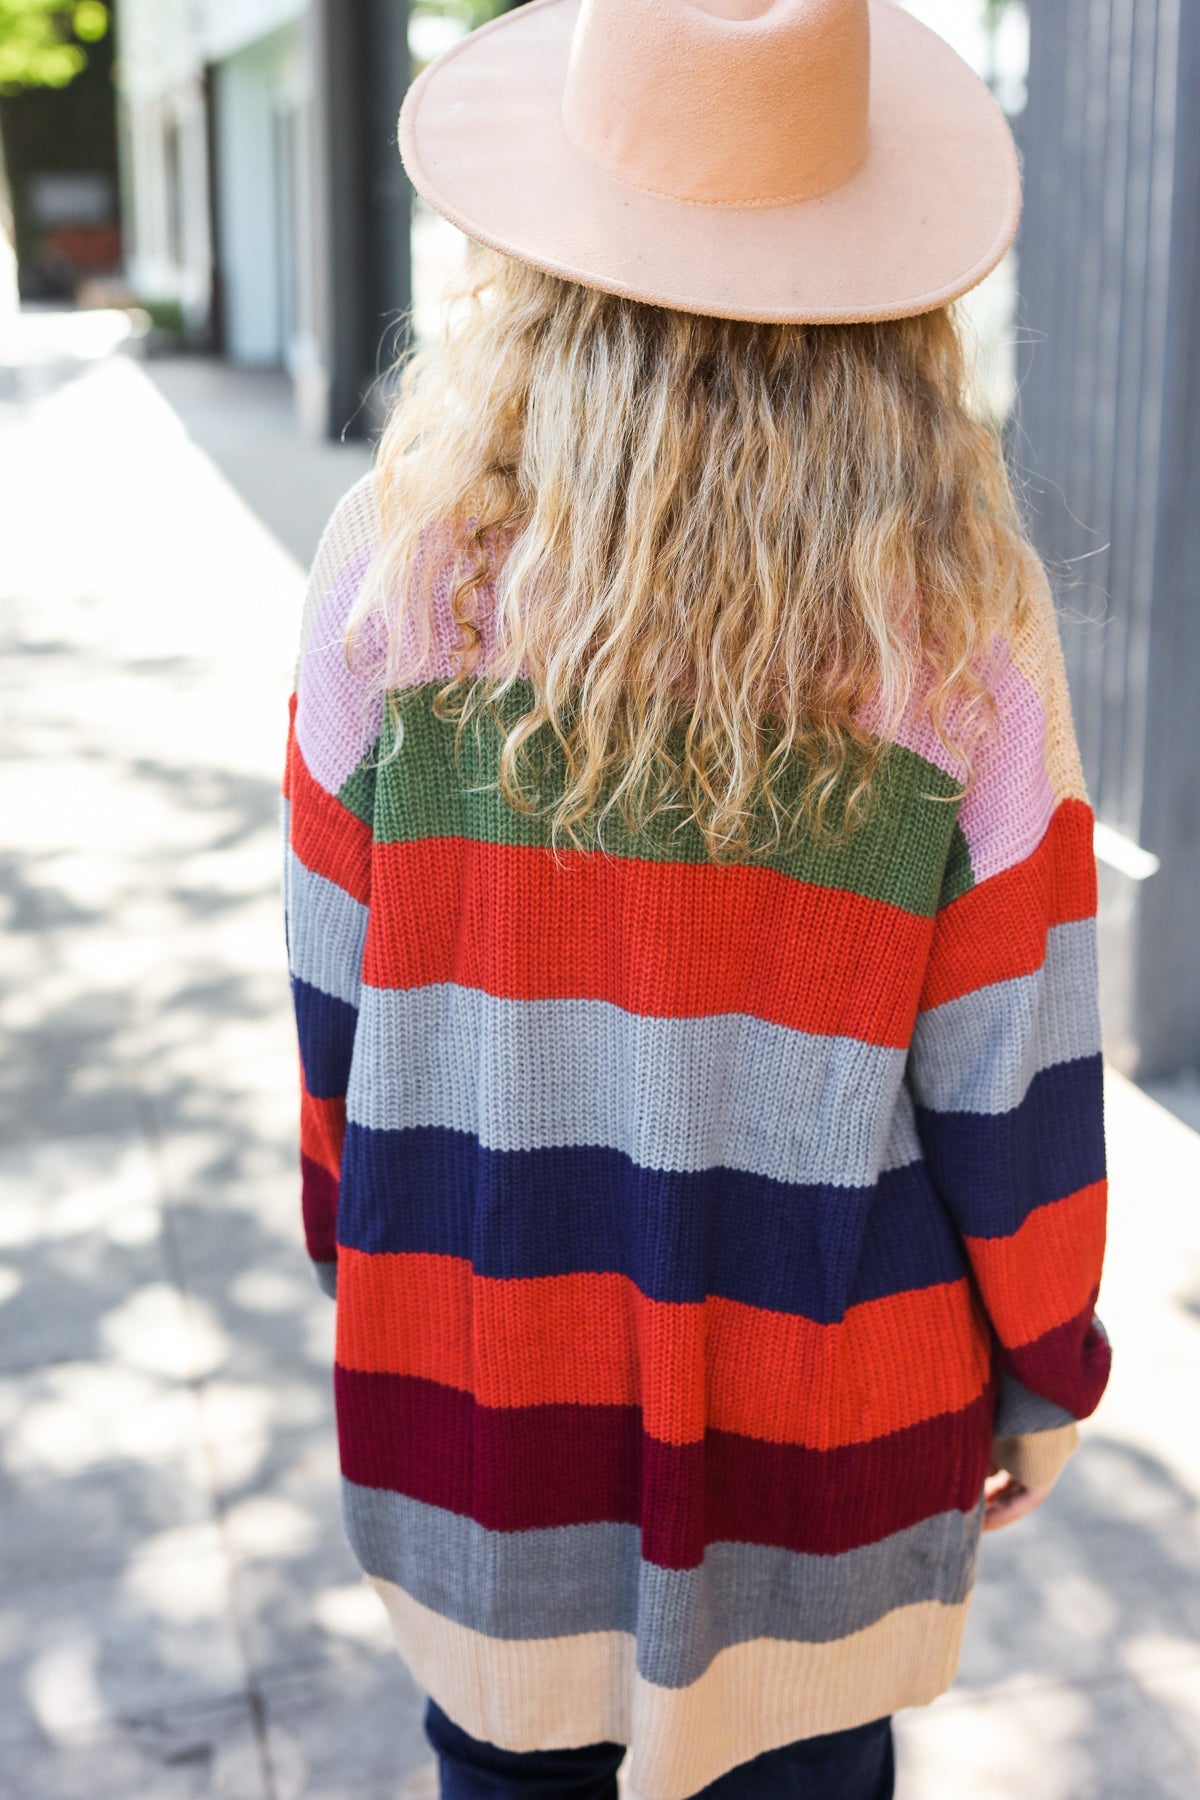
pixel 722 102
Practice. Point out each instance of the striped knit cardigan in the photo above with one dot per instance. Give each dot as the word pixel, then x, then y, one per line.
pixel 701 1234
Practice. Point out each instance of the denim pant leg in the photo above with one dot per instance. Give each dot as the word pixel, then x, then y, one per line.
pixel 844 1765
pixel 858 1764
pixel 474 1770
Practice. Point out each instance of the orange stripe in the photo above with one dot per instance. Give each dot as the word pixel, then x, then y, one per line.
pixel 322 1129
pixel 285 785
pixel 595 1340
pixel 997 931
pixel 665 940
pixel 326 836
pixel 1046 1273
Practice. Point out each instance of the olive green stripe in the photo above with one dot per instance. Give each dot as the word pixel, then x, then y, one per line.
pixel 959 877
pixel 899 855
pixel 357 792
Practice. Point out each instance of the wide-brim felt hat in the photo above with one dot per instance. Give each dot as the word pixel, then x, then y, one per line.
pixel 816 160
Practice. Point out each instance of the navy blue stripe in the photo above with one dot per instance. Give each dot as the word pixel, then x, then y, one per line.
pixel 325 1027
pixel 994 1169
pixel 679 1236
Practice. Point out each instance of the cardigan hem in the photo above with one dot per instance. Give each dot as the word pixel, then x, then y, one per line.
pixel 551 1693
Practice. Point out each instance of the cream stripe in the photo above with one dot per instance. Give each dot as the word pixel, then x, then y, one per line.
pixel 547 1693
pixel 1037 1458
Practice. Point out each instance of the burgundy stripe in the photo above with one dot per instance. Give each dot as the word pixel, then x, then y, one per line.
pixel 526 1468
pixel 319 1204
pixel 1068 1365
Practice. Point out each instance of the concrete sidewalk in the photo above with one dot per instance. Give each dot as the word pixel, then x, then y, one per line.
pixel 178 1614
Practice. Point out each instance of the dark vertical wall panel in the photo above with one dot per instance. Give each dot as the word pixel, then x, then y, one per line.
pixel 1110 390
pixel 361 65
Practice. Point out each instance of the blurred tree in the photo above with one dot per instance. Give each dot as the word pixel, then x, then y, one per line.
pixel 468 13
pixel 41 46
pixel 42 41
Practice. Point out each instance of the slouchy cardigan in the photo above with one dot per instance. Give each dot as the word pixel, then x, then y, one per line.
pixel 701 1234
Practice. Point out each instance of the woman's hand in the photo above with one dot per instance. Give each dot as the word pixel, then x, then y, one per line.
pixel 1006 1500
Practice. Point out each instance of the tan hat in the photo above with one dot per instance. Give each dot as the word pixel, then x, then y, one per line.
pixel 755 159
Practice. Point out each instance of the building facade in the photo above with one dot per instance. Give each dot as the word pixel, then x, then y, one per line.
pixel 242 125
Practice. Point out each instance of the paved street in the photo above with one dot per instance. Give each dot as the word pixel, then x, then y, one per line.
pixel 178 1614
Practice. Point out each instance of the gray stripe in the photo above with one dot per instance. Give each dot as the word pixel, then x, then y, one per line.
pixel 979 1053
pixel 681 1094
pixel 581 1578
pixel 327 929
pixel 326 1274
pixel 902 1141
pixel 1020 1413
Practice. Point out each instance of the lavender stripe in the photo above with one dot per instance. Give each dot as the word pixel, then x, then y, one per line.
pixel 333 726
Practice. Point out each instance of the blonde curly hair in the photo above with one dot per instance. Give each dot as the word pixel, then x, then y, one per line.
pixel 707 554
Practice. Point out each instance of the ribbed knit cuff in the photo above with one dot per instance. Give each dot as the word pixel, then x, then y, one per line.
pixel 326 1274
pixel 1038 1458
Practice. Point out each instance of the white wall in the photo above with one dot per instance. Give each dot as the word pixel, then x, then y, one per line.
pixel 158 44
pixel 261 116
pixel 261 83
pixel 164 40
pixel 161 95
pixel 227 26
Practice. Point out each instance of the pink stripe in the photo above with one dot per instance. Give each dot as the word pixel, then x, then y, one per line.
pixel 1008 810
pixel 915 733
pixel 408 665
pixel 1009 807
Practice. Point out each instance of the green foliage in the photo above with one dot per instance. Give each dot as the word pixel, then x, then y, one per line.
pixel 467 13
pixel 41 41
pixel 165 316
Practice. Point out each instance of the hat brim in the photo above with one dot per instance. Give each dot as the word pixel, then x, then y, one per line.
pixel 929 213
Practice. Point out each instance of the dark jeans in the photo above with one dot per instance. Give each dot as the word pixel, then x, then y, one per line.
pixel 846 1765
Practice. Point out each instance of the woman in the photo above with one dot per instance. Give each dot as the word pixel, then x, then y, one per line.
pixel 690 907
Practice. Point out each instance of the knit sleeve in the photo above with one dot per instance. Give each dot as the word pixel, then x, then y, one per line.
pixel 328 803
pixel 1005 1066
